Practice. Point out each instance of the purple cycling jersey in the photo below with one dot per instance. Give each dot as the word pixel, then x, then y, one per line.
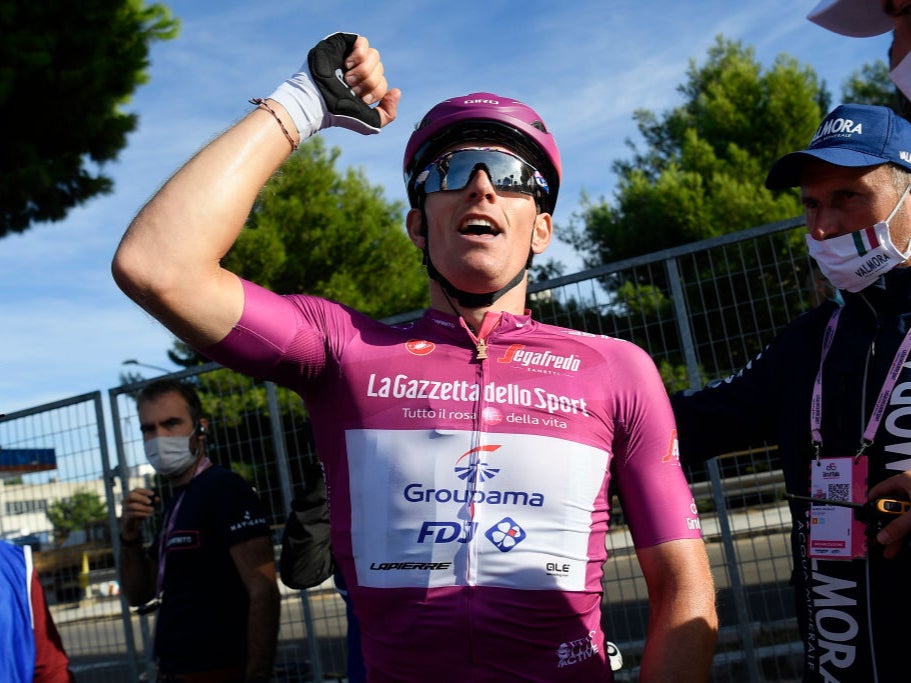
pixel 468 482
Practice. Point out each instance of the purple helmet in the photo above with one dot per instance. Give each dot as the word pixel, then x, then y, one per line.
pixel 483 116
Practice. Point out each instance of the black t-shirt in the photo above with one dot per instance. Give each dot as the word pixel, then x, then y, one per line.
pixel 202 621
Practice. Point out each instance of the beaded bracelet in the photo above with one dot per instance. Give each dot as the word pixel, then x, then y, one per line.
pixel 260 102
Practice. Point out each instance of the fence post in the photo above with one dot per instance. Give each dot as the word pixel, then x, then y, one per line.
pixel 284 474
pixel 730 553
pixel 123 471
pixel 681 314
pixel 688 346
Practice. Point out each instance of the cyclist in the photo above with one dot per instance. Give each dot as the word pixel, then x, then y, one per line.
pixel 468 454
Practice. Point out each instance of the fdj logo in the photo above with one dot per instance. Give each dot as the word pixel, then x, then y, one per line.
pixel 447 532
pixel 505 534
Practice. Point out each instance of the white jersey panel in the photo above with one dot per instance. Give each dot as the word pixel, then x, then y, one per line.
pixel 437 508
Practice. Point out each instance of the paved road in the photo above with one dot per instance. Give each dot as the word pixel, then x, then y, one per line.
pixel 94 634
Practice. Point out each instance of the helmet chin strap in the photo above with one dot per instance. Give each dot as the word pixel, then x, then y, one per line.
pixel 467 299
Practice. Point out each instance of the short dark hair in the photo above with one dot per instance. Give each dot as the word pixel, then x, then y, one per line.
pixel 160 387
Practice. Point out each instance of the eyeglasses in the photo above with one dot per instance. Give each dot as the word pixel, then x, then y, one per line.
pixel 507 172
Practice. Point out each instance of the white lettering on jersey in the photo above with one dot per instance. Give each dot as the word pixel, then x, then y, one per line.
pixel 401 386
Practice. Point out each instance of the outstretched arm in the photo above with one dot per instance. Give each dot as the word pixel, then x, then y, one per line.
pixel 682 624
pixel 169 260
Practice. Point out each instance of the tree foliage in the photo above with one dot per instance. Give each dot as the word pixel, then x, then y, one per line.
pixel 871 85
pixel 67 69
pixel 701 171
pixel 76 512
pixel 317 231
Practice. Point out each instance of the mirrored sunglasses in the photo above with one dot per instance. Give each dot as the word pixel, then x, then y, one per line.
pixel 507 172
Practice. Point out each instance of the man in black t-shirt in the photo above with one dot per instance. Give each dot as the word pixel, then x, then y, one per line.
pixel 210 570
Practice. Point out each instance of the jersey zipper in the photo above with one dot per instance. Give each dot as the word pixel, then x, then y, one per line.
pixel 478 445
pixel 480 441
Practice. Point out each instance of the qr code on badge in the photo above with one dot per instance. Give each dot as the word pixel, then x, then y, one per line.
pixel 838 492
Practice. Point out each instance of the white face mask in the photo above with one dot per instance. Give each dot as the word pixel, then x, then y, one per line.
pixel 901 75
pixel 169 455
pixel 855 260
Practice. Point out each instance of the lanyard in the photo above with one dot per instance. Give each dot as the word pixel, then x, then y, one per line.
pixel 891 378
pixel 166 532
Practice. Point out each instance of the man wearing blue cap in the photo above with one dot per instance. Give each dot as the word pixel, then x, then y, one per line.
pixel 833 391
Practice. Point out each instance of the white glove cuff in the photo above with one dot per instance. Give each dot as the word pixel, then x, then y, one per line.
pixel 301 98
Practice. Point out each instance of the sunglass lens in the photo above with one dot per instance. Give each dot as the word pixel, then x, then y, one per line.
pixel 507 173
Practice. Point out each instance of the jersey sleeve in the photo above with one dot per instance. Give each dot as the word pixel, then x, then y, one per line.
pixel 276 335
pixel 653 490
pixel 240 515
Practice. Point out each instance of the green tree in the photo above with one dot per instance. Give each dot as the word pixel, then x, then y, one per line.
pixel 82 508
pixel 871 85
pixel 702 169
pixel 699 174
pixel 67 69
pixel 317 231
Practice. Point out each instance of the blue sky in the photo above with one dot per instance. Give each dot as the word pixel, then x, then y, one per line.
pixel 585 66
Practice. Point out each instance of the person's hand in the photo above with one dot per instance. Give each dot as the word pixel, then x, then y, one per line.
pixel 351 77
pixel 138 505
pixel 342 84
pixel 893 535
pixel 900 13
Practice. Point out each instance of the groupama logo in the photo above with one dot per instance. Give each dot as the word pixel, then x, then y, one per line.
pixel 480 470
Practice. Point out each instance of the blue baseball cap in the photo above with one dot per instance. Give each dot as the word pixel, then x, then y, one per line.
pixel 852 135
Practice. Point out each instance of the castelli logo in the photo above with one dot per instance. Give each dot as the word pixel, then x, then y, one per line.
pixel 419 347
pixel 673 449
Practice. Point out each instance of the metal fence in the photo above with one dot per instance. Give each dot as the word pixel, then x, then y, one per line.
pixel 701 310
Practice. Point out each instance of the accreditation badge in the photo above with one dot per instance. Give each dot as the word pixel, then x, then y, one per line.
pixel 835 534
